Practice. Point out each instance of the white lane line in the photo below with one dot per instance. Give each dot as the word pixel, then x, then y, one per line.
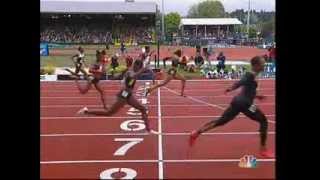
pixel 76 91
pixel 160 148
pixel 96 161
pixel 152 105
pixel 151 161
pixel 125 117
pixel 196 100
pixel 216 160
pixel 203 102
pixel 147 134
pixel 191 80
pixel 168 97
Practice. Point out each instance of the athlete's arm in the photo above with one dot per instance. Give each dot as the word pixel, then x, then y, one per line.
pixel 245 78
pixel 95 70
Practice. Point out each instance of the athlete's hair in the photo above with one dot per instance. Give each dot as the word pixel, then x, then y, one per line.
pixel 178 52
pixel 138 62
pixel 256 60
pixel 80 48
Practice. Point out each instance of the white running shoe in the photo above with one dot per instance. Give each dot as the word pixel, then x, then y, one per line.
pixel 154 132
pixel 83 111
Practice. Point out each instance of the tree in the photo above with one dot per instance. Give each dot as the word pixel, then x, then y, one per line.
pixel 239 13
pixel 207 9
pixel 252 32
pixel 193 11
pixel 268 28
pixel 172 22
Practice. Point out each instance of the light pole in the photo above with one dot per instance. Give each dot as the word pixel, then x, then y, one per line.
pixel 163 35
pixel 248 20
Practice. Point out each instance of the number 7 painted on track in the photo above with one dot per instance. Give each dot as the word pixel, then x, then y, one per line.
pixel 123 149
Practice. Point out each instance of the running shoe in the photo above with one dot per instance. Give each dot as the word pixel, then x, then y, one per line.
pixel 267 153
pixel 83 111
pixel 193 136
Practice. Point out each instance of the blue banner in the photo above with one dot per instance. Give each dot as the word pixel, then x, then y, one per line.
pixel 44 49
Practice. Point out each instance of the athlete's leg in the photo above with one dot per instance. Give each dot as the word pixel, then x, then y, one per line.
pixel 83 89
pixel 166 81
pixel 77 69
pixel 257 115
pixel 102 95
pixel 153 77
pixel 134 103
pixel 229 114
pixel 84 72
pixel 179 76
pixel 73 74
pixel 107 112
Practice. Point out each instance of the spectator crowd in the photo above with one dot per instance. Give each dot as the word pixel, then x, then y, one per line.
pixel 95 34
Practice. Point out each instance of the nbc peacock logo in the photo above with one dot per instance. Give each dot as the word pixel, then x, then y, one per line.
pixel 248 161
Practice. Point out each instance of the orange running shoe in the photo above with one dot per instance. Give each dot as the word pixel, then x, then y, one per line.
pixel 193 136
pixel 267 153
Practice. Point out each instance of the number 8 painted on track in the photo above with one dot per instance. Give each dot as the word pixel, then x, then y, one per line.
pixel 107 174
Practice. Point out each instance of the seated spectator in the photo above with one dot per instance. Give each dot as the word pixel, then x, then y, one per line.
pixel 183 63
pixel 191 68
pixel 198 60
pixel 221 62
pixel 165 60
pixel 114 63
pixel 272 54
pixel 129 61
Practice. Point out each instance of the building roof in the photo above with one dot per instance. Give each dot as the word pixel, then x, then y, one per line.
pixel 100 7
pixel 210 21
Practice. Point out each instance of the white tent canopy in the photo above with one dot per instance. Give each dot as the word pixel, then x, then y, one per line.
pixel 209 21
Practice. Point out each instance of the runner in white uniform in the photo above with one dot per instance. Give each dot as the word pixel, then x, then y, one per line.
pixel 146 57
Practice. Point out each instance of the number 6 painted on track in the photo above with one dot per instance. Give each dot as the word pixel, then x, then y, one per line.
pixel 129 125
pixel 123 149
pixel 107 174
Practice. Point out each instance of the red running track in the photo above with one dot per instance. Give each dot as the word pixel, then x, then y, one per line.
pixel 94 147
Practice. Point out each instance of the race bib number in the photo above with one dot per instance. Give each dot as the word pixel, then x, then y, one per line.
pixel 124 94
pixel 253 108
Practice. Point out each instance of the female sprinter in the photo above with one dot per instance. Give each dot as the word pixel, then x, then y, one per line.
pixel 146 58
pixel 172 74
pixel 97 71
pixel 243 103
pixel 125 96
pixel 79 62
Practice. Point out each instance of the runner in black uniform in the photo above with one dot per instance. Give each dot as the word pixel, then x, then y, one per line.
pixel 125 96
pixel 172 74
pixel 97 71
pixel 243 103
pixel 79 62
